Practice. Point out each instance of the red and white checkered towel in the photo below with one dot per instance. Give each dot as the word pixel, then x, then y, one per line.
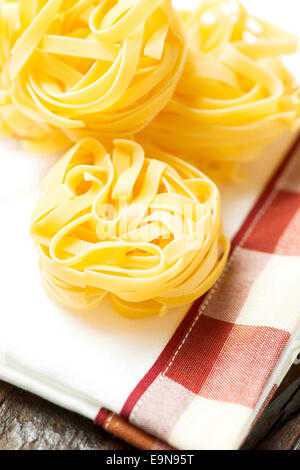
pixel 227 357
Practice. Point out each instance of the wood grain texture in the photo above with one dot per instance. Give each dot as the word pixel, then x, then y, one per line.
pixel 28 422
pixel 279 426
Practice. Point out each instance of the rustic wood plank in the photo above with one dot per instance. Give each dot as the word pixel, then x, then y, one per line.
pixel 279 426
pixel 28 422
pixel 287 438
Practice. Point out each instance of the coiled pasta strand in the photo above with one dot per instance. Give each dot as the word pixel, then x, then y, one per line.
pixel 234 97
pixel 147 232
pixel 86 68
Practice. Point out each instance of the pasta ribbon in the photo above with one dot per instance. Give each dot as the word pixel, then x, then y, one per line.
pixel 234 97
pixel 147 232
pixel 86 68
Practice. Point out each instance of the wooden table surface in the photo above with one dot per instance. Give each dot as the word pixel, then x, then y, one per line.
pixel 28 422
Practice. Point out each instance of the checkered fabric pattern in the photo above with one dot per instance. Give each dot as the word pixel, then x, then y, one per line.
pixel 226 359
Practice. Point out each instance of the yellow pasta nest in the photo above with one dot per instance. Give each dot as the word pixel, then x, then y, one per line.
pixel 71 69
pixel 144 231
pixel 235 95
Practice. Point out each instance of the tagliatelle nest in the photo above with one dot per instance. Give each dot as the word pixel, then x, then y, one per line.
pixel 146 232
pixel 90 67
pixel 235 96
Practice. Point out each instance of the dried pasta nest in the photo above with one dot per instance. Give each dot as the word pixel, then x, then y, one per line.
pixel 144 231
pixel 235 96
pixel 86 68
